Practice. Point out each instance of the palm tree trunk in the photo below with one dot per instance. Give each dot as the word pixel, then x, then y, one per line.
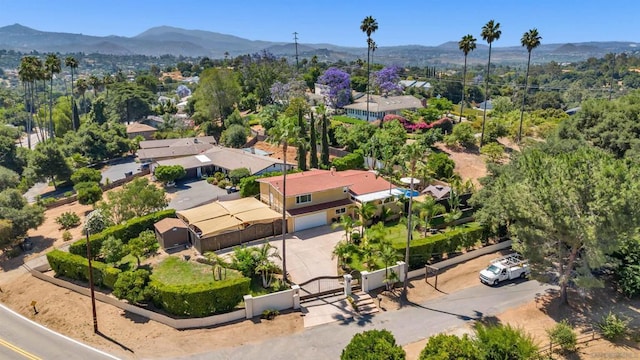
pixel 284 213
pixel 486 97
pixel 464 81
pixel 51 132
pixel 524 96
pixel 73 100
pixel 368 77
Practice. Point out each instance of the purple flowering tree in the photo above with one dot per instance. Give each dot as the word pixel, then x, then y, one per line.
pixel 338 85
pixel 282 93
pixel 387 79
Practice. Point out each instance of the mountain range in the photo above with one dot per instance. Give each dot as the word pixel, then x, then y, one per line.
pixel 163 40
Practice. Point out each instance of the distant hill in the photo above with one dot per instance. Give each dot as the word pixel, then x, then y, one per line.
pixel 163 40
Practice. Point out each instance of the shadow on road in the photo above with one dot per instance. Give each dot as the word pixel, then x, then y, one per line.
pixel 107 337
pixel 459 316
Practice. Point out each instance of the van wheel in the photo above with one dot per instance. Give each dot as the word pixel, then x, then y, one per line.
pixel 523 275
pixel 495 282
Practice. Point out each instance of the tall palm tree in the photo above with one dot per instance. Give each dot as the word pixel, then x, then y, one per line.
pixel 82 86
pixel 530 40
pixel 284 132
pixel 368 26
pixel 466 45
pixel 72 63
pixel 95 83
pixel 52 66
pixel 106 81
pixel 366 210
pixel 26 73
pixel 490 33
pixel 412 154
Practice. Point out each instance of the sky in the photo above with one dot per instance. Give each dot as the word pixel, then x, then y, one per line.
pixel 408 22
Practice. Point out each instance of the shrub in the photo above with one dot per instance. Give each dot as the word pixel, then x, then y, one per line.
pixel 236 175
pixel 269 314
pixel 493 151
pixel 66 236
pixel 234 136
pixel 112 250
pixel 440 165
pixel 68 194
pixel 68 220
pixel 77 267
pixel 373 345
pixel 504 342
pixel 563 335
pixel 222 184
pixel 219 176
pixel 444 346
pixel 125 232
pixel 86 175
pixel 201 299
pixel 168 173
pixel 133 286
pixel 249 186
pixel 348 162
pixel 613 326
pixel 463 134
pixel 88 192
pixel 212 180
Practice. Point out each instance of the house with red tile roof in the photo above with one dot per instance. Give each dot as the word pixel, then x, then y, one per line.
pixel 319 197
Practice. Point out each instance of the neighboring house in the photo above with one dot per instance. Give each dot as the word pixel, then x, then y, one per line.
pixel 137 129
pixel 153 120
pixel 480 106
pixel 154 150
pixel 437 191
pixel 222 159
pixel 415 84
pixel 379 106
pixel 171 232
pixel 319 197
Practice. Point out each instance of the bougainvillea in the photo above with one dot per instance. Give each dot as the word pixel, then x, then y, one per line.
pixel 339 84
pixel 420 126
pixel 386 80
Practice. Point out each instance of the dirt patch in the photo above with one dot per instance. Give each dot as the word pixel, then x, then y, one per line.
pixel 469 163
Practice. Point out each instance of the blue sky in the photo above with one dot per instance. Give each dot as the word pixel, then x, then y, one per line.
pixel 423 22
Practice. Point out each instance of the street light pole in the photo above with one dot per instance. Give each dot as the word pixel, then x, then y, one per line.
pixel 93 297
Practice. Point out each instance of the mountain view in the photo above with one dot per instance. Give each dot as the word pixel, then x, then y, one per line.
pixel 163 40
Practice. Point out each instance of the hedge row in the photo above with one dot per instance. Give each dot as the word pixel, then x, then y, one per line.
pixel 125 232
pixel 422 250
pixel 77 267
pixel 202 299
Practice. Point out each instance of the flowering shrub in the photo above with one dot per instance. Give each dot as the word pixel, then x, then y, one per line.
pixel 339 84
pixel 444 124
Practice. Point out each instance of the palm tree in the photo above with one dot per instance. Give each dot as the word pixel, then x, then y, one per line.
pixel 347 224
pixel 284 132
pixel 72 63
pixel 412 155
pixel 366 210
pixel 368 26
pixel 264 265
pixel 26 73
pixel 389 256
pixel 52 66
pixel 343 251
pixel 530 40
pixel 106 81
pixel 490 33
pixel 82 86
pixel 95 83
pixel 427 210
pixel 467 44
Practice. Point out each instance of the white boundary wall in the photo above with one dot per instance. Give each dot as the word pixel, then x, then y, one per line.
pixel 283 300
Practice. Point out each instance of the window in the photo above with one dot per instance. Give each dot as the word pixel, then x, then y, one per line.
pixel 303 199
pixel 341 211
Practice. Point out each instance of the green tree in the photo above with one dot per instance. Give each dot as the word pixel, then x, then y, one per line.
pixel 566 206
pixel 168 173
pixel 72 63
pixel 249 186
pixel 346 223
pixel 462 134
pixel 129 102
pixel 22 216
pixel 440 165
pixel 324 156
pixel 466 45
pixel 497 342
pixel 343 251
pixel 235 136
pixel 563 335
pixel 490 33
pixel 389 256
pixel 137 198
pixel 373 345
pixel 427 209
pixel 88 193
pixel 238 174
pixel 8 178
pixel 47 161
pixel 368 26
pixel 365 211
pixel 112 250
pixel 450 347
pixel 313 142
pixel 218 91
pixel 133 286
pixel 530 40
pixel 86 175
pixel 52 66
pixel 264 263
pixel 95 83
pixel 144 245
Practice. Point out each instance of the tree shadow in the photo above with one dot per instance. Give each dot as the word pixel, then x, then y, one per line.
pixel 477 314
pixel 359 320
pixel 14 257
pixel 106 337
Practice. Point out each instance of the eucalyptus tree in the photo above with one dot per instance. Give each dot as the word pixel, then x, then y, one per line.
pixel 284 132
pixel 466 45
pixel 72 63
pixel 52 66
pixel 490 33
pixel 368 26
pixel 530 40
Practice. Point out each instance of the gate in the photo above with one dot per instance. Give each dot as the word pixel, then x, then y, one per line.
pixel 325 285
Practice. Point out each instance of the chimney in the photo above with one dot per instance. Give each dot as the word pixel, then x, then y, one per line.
pixel 333 170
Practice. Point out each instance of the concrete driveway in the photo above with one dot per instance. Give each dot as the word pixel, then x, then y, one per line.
pixel 115 171
pixel 190 194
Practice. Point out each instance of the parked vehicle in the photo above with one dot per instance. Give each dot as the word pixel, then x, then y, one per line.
pixel 508 267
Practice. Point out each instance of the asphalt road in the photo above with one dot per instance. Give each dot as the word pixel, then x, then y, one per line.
pixel 23 339
pixel 414 323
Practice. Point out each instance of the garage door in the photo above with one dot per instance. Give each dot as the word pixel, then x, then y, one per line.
pixel 310 221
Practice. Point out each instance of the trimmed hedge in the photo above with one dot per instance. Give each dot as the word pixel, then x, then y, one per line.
pixel 77 267
pixel 125 232
pixel 201 299
pixel 422 250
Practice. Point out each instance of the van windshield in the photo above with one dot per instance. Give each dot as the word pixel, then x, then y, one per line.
pixel 494 269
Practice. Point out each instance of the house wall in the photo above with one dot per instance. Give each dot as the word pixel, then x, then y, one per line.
pixel 238 237
pixel 319 197
pixel 147 135
pixel 173 238
pixel 273 168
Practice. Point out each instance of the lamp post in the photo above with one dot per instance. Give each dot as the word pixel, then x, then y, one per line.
pixel 93 297
pixel 411 181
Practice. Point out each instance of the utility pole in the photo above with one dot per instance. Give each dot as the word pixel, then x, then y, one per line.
pixel 93 297
pixel 295 39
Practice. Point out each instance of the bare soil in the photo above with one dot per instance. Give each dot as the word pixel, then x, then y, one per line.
pixel 469 163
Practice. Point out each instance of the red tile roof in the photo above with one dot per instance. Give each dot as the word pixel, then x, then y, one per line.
pixel 308 182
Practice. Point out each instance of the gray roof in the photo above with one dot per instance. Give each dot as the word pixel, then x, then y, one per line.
pixel 225 158
pixel 389 103
pixel 173 151
pixel 437 191
pixel 152 144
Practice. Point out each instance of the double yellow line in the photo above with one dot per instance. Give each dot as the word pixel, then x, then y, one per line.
pixel 19 350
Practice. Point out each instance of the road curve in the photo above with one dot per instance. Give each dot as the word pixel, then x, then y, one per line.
pixel 21 338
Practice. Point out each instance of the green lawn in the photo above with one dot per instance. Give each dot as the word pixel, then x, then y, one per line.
pixel 397 233
pixel 347 120
pixel 174 270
